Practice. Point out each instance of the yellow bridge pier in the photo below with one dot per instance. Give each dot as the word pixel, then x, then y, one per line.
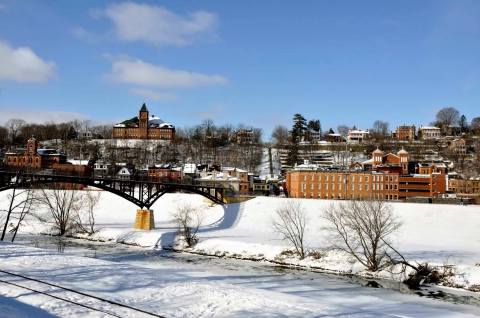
pixel 144 220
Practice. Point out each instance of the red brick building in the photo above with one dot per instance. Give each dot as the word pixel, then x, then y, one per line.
pixel 33 158
pixel 144 127
pixel 385 176
pixel 164 173
pixel 405 133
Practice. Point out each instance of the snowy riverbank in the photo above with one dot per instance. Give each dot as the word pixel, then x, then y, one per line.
pixel 437 234
pixel 144 280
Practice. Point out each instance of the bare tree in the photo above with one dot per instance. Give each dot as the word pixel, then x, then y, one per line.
pixel 280 135
pixel 380 129
pixel 363 229
pixel 188 222
pixel 475 125
pixel 343 130
pixel 20 203
pixel 447 117
pixel 14 125
pixel 85 218
pixel 63 206
pixel 290 224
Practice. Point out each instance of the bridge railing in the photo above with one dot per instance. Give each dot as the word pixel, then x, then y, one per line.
pixel 135 178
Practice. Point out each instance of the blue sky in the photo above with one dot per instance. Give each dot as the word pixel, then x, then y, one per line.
pixel 250 62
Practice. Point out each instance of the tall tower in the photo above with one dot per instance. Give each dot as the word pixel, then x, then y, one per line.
pixel 403 155
pixel 32 146
pixel 143 122
pixel 377 156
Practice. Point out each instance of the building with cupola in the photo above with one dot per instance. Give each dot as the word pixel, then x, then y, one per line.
pixel 144 126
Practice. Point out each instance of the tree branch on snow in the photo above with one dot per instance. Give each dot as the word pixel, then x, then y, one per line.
pixel 63 206
pixel 85 218
pixel 290 224
pixel 363 228
pixel 188 222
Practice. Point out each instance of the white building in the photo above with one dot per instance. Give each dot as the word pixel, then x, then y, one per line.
pixel 429 132
pixel 358 135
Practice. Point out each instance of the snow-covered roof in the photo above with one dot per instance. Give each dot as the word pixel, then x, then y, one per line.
pixel 189 168
pixel 233 169
pixel 154 120
pixel 166 125
pixel 218 177
pixel 78 161
pixel 306 166
pixel 367 162
pixel 49 152
pixel 429 127
pixel 416 175
pixel 124 171
pixel 358 131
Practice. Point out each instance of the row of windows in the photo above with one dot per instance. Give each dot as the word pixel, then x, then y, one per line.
pixel 358 187
pixel 340 196
pixel 353 178
pixel 22 159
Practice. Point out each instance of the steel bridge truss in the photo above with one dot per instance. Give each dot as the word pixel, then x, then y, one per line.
pixel 141 192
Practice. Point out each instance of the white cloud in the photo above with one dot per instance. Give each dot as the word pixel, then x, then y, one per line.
pixel 23 65
pixel 33 115
pixel 138 72
pixel 152 95
pixel 157 25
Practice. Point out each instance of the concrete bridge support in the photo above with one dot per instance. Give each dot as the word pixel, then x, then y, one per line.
pixel 144 220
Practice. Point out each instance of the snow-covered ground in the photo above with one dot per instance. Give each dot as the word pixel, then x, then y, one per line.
pixel 176 289
pixel 264 167
pixel 438 234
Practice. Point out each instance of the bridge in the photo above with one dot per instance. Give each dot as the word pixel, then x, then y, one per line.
pixel 140 190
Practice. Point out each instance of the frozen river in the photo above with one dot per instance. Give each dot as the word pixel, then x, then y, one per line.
pixel 345 297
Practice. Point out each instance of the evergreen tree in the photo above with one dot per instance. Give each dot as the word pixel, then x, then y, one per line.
pixel 292 156
pixel 314 125
pixel 298 131
pixel 463 124
pixel 299 127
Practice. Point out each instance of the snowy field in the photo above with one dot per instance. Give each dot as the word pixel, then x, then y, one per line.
pixel 439 234
pixel 176 289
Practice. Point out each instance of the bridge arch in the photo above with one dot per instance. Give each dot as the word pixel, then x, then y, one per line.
pixel 141 193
